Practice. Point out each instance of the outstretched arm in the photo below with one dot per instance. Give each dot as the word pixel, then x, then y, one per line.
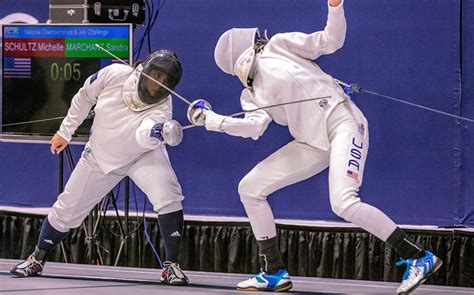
pixel 252 125
pixel 312 46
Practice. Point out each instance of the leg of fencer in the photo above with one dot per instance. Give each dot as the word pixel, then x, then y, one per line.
pixel 380 225
pixel 261 217
pixel 292 163
pixel 171 229
pixel 263 226
pixel 346 170
pixel 49 237
pixel 154 175
pixel 86 186
pixel 349 147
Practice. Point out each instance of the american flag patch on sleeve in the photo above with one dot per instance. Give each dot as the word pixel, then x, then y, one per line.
pixel 353 175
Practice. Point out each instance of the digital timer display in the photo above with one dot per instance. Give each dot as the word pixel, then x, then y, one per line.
pixel 45 65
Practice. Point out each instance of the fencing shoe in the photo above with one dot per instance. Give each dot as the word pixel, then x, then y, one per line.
pixel 32 266
pixel 418 271
pixel 173 275
pixel 279 282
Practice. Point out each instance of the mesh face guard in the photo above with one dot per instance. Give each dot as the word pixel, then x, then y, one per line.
pixel 162 65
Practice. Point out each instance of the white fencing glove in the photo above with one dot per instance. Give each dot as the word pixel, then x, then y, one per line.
pixel 213 121
pixel 170 133
pixel 197 111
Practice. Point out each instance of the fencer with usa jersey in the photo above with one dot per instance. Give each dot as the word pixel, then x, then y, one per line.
pixel 284 72
pixel 113 137
pixel 329 131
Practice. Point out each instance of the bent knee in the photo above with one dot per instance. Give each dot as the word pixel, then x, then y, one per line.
pixel 342 200
pixel 168 206
pixel 337 208
pixel 62 222
pixel 248 192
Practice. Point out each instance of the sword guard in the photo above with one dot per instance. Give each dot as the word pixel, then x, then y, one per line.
pixel 348 88
pixel 351 88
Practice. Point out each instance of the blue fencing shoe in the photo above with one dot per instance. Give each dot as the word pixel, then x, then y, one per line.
pixel 418 271
pixel 279 282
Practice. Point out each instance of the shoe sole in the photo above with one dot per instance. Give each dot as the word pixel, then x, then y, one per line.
pixel 285 287
pixel 175 283
pixel 438 265
pixel 23 275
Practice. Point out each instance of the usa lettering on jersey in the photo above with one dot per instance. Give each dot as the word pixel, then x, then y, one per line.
pixel 354 155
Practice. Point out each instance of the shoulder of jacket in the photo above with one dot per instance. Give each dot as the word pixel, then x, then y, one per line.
pixel 120 68
pixel 279 37
pixel 114 71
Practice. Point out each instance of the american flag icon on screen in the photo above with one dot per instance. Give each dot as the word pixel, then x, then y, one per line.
pixel 16 67
pixel 352 175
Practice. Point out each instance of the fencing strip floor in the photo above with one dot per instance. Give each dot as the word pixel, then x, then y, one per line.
pixel 71 279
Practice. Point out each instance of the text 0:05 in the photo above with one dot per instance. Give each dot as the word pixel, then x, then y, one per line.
pixel 67 72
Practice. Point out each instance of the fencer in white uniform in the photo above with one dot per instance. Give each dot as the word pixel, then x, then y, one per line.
pixel 330 132
pixel 126 139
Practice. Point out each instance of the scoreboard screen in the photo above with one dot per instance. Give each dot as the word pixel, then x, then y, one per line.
pixel 44 65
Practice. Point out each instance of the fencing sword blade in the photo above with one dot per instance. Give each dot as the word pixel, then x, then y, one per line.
pixel 278 104
pixel 146 75
pixel 120 60
pixel 263 108
pixel 188 126
pixel 354 88
pixel 89 116
pixel 418 106
pixel 34 121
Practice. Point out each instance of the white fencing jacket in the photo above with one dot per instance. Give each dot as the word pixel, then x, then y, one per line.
pixel 118 134
pixel 285 72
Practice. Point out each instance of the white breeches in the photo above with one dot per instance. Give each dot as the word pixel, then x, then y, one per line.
pixel 87 185
pixel 296 161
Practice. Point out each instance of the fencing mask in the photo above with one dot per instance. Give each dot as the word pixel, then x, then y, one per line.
pixel 231 45
pixel 162 65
